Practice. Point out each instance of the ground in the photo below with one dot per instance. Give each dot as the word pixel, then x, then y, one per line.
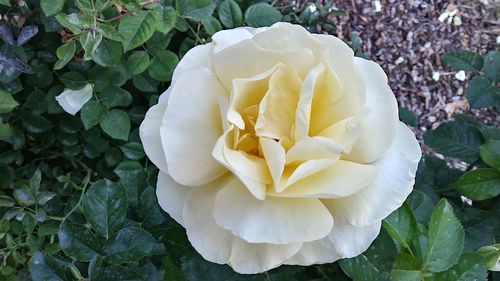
pixel 407 39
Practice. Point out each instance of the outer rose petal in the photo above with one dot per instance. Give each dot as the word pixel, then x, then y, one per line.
pixel 219 245
pixel 198 56
pixel 274 220
pixel 149 131
pixel 73 100
pixel 345 241
pixel 172 196
pixel 378 127
pixel 227 38
pixel 191 126
pixel 396 176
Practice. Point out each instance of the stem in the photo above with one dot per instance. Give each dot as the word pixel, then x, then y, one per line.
pixel 86 181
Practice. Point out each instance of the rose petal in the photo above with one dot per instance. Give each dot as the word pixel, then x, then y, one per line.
pixel 274 153
pixel 340 179
pixel 274 220
pixel 230 63
pixel 277 108
pixel 191 126
pixel 345 132
pixel 149 132
pixel 378 127
pixel 255 174
pixel 311 148
pixel 394 182
pixel 339 59
pixel 218 245
pixel 307 169
pixel 172 196
pixel 227 38
pixel 198 56
pixel 345 241
pixel 73 100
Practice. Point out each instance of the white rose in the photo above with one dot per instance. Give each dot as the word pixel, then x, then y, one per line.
pixel 277 146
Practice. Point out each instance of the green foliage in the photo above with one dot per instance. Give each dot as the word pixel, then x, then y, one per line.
pixel 77 194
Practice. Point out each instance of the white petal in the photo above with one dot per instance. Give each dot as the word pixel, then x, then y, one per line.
pixel 246 59
pixel 218 245
pixel 149 131
pixel 250 258
pixel 378 127
pixel 172 196
pixel 211 241
pixel 73 100
pixel 345 241
pixel 394 182
pixel 191 126
pixel 227 38
pixel 303 113
pixel 340 179
pixel 274 220
pixel 345 132
pixel 198 56
pixel 274 153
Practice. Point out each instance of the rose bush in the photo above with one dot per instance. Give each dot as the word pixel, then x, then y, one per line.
pixel 277 146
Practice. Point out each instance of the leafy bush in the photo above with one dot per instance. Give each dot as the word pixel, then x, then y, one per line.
pixel 77 195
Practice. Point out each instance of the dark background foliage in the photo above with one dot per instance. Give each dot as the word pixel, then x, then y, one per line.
pixel 77 194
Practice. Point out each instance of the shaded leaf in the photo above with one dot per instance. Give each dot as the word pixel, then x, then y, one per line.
pixel 262 14
pixel 230 14
pixel 78 242
pixel 7 102
pixel 26 34
pixel 197 10
pixel 116 124
pixel 479 184
pixel 130 244
pixel 136 29
pixel 463 60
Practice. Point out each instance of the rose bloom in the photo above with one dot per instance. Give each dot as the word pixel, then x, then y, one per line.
pixel 277 146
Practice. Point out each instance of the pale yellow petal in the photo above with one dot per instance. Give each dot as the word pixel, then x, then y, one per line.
pixel 274 154
pixel 274 220
pixel 394 182
pixel 340 179
pixel 307 169
pixel 172 196
pixel 227 38
pixel 378 127
pixel 311 148
pixel 191 126
pixel 198 56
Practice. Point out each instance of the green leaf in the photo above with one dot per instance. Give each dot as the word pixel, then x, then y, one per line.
pixel 374 264
pixel 445 239
pixel 95 267
pixel 469 267
pixel 481 92
pixel 35 181
pixel 90 41
pixel 116 124
pixel 492 66
pixel 138 62
pixel 406 275
pixel 491 255
pixel 262 14
pixel 136 29
pixel 463 60
pixel 24 196
pixel 109 53
pixel 40 270
pixel 108 31
pixel 5 132
pixel 73 80
pixel 408 117
pixel 92 113
pixel 230 14
pixel 51 7
pixel 78 242
pixel 401 226
pixel 149 209
pixel 212 26
pixel 455 139
pixel 44 197
pixel 36 124
pixel 7 102
pixel 163 64
pixel 197 10
pixel 112 96
pixel 129 245
pixel 479 184
pixel 65 53
pixel 133 150
pixel 105 206
pixel 165 19
pixel 421 206
pixel 5 3
pixel 490 153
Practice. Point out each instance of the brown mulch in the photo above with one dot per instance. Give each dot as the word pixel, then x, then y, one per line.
pixel 406 38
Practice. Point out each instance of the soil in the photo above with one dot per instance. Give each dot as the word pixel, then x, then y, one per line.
pixel 407 39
